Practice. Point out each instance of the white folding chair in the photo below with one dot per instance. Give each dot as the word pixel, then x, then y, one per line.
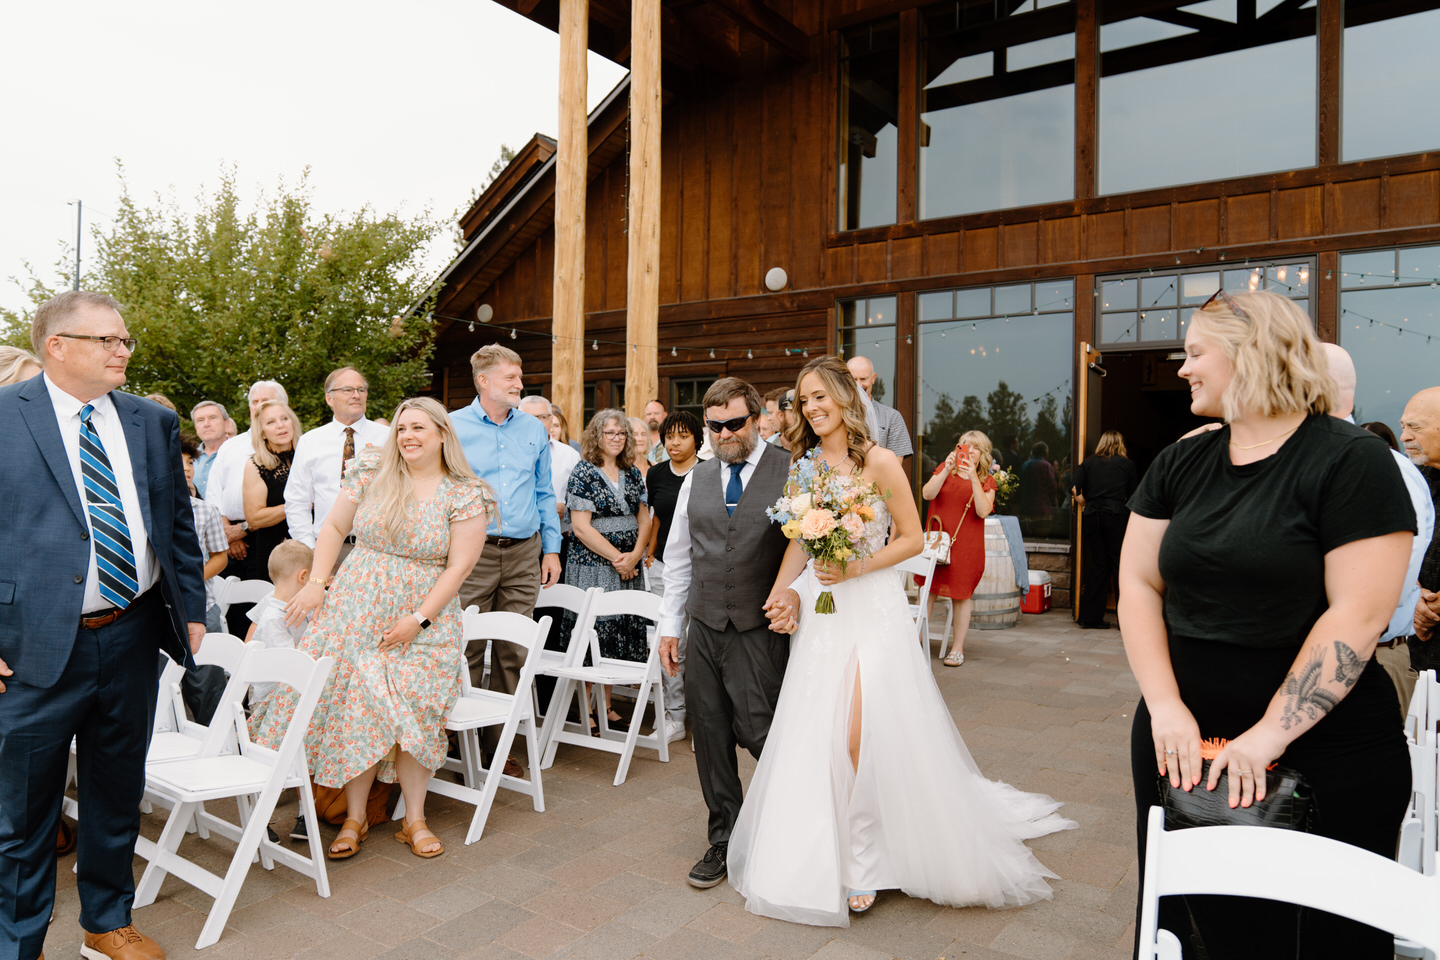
pixel 921 565
pixel 1284 865
pixel 573 675
pixel 477 709
pixel 1418 841
pixel 255 771
pixel 573 600
pixel 234 590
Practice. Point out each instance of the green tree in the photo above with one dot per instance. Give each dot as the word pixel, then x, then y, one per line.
pixel 1007 413
pixel 223 297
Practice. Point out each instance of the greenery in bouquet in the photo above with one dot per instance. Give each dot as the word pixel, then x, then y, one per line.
pixel 1006 483
pixel 826 510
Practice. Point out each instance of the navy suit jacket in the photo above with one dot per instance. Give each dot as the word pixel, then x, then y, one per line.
pixel 44 540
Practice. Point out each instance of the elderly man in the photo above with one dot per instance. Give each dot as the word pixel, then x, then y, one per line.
pixel 100 566
pixel 323 454
pixel 1391 652
pixel 890 430
pixel 511 452
pixel 209 418
pixel 1420 435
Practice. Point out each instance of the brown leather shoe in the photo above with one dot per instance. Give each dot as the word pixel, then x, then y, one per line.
pixel 126 943
pixel 64 839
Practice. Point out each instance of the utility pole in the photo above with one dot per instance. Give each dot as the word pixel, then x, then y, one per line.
pixel 79 210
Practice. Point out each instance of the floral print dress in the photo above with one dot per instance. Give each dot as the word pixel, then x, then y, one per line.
pixel 374 700
pixel 613 515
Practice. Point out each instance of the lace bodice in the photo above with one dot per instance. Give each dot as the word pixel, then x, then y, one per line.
pixel 876 530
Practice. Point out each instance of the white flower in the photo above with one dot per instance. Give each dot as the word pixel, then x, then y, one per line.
pixel 800 504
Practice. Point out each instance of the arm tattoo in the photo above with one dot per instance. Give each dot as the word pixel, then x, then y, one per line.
pixel 1348 666
pixel 1304 697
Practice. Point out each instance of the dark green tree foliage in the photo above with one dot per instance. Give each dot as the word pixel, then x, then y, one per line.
pixel 229 295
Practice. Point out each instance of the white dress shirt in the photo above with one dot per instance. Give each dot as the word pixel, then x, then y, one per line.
pixel 1402 620
pixel 226 485
pixel 677 547
pixel 563 460
pixel 315 474
pixel 106 420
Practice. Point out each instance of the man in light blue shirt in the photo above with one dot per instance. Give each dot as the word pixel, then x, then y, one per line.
pixel 511 452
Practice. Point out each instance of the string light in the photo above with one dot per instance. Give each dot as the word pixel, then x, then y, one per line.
pixel 674 352
pixel 513 333
pixel 472 326
pixel 595 345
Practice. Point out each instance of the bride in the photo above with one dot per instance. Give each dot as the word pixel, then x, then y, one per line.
pixel 864 783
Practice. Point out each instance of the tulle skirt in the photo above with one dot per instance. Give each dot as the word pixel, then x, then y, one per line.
pixel 917 815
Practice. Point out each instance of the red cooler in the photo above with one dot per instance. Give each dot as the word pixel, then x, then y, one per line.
pixel 1037 598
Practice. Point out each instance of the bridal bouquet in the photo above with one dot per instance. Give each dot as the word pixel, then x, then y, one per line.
pixel 825 510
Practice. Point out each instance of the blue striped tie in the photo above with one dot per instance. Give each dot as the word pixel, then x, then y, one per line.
pixel 114 555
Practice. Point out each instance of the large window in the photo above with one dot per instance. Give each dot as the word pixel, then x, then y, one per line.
pixel 998 359
pixel 1391 74
pixel 997 106
pixel 1204 91
pixel 868 124
pixel 1151 309
pixel 867 329
pixel 689 395
pixel 1390 324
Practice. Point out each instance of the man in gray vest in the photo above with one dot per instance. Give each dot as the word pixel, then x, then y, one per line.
pixel 720 563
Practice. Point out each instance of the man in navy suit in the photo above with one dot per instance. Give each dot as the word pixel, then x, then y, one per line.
pixel 99 564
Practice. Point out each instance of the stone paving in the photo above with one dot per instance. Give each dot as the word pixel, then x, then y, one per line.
pixel 601 873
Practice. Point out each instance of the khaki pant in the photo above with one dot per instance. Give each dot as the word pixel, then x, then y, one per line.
pixel 508 579
pixel 1396 661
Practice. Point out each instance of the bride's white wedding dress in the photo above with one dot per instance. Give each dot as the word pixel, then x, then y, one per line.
pixel 917 815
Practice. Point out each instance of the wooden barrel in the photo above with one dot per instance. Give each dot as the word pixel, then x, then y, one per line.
pixel 997 598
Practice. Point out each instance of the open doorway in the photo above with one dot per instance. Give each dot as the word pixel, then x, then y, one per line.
pixel 1145 399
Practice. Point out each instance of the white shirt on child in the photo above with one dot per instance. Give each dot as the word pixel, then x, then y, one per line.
pixel 271 630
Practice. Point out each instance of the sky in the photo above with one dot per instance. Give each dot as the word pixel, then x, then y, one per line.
pixel 401 106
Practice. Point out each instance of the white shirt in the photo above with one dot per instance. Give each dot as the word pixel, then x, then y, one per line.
pixel 106 420
pixel 1402 621
pixel 314 482
pixel 677 547
pixel 563 460
pixel 226 486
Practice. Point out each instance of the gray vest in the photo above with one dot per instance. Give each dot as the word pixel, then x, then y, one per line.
pixel 734 559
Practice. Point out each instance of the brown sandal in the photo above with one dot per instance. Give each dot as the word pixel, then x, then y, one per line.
pixel 417 835
pixel 348 847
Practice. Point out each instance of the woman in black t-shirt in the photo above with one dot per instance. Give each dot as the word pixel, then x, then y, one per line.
pixel 1260 565
pixel 1103 482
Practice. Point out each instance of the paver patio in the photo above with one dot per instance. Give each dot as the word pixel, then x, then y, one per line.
pixel 601 874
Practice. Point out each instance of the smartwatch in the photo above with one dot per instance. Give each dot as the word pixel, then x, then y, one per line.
pixel 421 619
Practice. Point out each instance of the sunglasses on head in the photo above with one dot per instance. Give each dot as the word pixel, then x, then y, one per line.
pixel 1227 302
pixel 786 403
pixel 734 426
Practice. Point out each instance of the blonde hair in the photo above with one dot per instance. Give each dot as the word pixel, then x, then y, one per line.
pixel 1279 365
pixel 288 558
pixel 590 439
pixel 392 490
pixel 1111 444
pixel 265 458
pixel 13 361
pixel 986 450
pixel 492 355
pixel 837 380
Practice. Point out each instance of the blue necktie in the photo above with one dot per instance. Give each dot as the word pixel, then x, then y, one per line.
pixel 114 554
pixel 733 490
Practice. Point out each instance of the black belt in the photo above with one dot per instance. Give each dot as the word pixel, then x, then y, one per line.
pixel 504 541
pixel 1396 642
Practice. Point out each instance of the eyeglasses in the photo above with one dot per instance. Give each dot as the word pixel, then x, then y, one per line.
pixel 111 344
pixel 615 434
pixel 349 391
pixel 734 426
pixel 1228 302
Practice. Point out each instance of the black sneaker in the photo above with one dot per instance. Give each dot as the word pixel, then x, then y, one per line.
pixel 272 835
pixel 298 833
pixel 709 871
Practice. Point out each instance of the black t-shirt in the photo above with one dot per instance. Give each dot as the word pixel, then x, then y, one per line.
pixel 1243 559
pixel 663 487
pixel 1106 482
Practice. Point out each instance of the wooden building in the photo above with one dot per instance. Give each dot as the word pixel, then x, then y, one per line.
pixel 1011 208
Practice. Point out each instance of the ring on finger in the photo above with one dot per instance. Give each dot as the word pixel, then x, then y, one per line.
pixel 1170 753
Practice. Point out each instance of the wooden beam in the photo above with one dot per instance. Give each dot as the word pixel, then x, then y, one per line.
pixel 764 22
pixel 642 290
pixel 571 161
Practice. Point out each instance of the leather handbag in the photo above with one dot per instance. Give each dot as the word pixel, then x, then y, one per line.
pixel 937 541
pixel 1289 803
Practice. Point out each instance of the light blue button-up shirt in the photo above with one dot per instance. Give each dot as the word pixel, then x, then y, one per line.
pixel 514 458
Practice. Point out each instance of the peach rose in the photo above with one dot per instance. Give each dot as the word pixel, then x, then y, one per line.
pixel 852 525
pixel 816 524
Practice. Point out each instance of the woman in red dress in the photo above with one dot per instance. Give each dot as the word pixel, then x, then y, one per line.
pixel 961 495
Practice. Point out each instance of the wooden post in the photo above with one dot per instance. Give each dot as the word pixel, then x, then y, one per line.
pixel 572 156
pixel 642 292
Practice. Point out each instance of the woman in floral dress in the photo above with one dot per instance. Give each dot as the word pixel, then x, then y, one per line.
pixel 391 619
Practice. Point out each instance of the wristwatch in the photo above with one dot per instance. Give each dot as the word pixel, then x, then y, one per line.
pixel 421 619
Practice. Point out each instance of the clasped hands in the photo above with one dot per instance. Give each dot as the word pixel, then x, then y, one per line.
pixel 627 564
pixel 782 609
pixel 1177 755
pixel 1427 614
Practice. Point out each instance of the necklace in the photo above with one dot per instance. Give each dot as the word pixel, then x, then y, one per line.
pixel 1262 443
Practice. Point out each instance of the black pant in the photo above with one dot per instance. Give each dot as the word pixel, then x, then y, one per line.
pixel 105 698
pixel 1102 533
pixel 732 683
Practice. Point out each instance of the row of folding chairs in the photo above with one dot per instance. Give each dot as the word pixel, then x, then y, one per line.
pixel 1420 830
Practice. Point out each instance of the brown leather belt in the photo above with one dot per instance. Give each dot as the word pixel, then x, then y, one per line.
pixel 102 619
pixel 504 541
pixel 1397 642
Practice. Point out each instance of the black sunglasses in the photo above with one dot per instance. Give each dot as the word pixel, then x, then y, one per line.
pixel 1226 301
pixel 734 426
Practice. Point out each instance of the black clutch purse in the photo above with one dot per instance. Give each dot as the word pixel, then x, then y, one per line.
pixel 1288 804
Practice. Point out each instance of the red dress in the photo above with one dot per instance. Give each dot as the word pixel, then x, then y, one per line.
pixel 967 547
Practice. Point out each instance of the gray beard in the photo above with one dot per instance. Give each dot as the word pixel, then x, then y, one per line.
pixel 748 441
